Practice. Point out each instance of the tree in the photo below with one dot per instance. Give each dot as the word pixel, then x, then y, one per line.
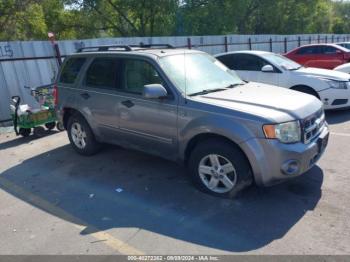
pixel 22 20
pixel 78 19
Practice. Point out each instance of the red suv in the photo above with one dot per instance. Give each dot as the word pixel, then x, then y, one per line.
pixel 326 56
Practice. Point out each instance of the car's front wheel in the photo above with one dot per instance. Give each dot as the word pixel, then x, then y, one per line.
pixel 219 168
pixel 81 136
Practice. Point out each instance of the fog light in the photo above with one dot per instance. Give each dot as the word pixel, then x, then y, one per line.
pixel 290 167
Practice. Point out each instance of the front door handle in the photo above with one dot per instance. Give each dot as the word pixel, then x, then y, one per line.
pixel 128 103
pixel 85 95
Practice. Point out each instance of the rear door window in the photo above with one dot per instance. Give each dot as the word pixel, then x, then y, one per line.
pixel 329 50
pixel 102 73
pixel 228 60
pixel 246 62
pixel 71 70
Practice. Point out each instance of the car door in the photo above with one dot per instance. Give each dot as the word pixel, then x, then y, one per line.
pixel 321 56
pixel 147 124
pixel 248 67
pixel 99 96
pixel 331 57
pixel 305 55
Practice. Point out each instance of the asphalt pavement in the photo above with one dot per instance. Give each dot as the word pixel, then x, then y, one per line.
pixel 54 201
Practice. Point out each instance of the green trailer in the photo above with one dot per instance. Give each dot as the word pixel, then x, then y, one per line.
pixel 25 122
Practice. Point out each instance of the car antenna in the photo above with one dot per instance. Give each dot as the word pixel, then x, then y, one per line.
pixel 185 76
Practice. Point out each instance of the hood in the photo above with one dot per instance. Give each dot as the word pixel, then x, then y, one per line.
pixel 324 73
pixel 276 104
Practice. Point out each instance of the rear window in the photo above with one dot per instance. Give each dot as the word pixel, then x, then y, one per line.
pixel 71 70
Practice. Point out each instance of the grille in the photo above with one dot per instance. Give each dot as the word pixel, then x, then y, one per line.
pixel 313 125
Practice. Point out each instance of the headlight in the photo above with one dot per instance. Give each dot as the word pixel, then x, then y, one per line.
pixel 338 84
pixel 288 132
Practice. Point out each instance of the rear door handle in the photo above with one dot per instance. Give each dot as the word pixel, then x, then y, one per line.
pixel 128 103
pixel 85 95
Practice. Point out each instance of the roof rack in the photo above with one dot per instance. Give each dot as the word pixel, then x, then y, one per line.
pixel 103 48
pixel 142 45
pixel 122 47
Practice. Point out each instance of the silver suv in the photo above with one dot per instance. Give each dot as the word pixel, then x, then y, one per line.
pixel 186 106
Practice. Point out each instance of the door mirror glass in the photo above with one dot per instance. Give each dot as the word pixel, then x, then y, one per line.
pixel 267 69
pixel 154 91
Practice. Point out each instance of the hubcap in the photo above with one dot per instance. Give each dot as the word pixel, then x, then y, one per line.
pixel 217 173
pixel 78 135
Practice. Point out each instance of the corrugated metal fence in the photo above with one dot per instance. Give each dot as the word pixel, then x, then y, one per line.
pixel 33 63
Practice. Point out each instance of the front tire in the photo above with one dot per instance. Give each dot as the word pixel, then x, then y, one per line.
pixel 219 168
pixel 306 90
pixel 81 136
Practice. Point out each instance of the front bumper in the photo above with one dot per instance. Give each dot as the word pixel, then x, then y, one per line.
pixel 335 98
pixel 270 159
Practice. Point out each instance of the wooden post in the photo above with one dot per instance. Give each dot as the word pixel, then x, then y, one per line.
pixel 299 41
pixel 270 44
pixel 55 47
pixel 226 46
pixel 285 44
pixel 189 45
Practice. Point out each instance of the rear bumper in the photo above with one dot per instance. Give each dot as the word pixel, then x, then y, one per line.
pixel 59 115
pixel 273 162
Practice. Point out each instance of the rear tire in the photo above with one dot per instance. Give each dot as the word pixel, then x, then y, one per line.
pixel 25 132
pixel 219 168
pixel 81 136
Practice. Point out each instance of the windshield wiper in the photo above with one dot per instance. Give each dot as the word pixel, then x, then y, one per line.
pixel 207 91
pixel 295 68
pixel 236 84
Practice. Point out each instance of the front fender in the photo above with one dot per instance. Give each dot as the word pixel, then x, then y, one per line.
pixel 236 130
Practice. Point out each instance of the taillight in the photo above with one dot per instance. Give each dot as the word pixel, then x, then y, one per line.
pixel 55 95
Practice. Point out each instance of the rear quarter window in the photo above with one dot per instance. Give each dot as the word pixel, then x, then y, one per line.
pixel 71 70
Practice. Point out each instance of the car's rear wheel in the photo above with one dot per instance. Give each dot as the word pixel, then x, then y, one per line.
pixel 81 136
pixel 219 168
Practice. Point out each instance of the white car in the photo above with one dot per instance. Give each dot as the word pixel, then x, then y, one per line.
pixel 345 68
pixel 331 87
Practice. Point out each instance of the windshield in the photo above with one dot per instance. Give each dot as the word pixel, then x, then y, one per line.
pixel 346 45
pixel 282 61
pixel 198 72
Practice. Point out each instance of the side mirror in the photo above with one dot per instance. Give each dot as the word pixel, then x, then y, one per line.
pixel 267 69
pixel 338 52
pixel 154 91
